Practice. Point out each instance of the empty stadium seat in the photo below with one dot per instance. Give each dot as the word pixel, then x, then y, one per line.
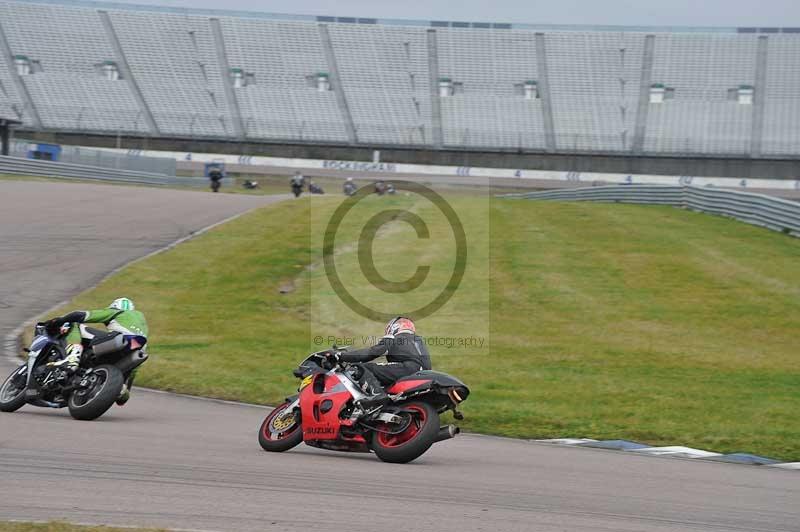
pixel 701 118
pixel 281 103
pixel 588 83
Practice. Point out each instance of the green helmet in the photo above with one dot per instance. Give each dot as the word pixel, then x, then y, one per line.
pixel 122 303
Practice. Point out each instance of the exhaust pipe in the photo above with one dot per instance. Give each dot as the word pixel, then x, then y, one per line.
pixel 132 361
pixel 447 432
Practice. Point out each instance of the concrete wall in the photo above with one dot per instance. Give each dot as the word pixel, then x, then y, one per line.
pixel 691 166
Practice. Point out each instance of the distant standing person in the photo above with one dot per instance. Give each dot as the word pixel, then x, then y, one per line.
pixel 297 182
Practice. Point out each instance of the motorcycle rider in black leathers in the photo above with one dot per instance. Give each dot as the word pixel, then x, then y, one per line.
pixel 215 175
pixel 405 354
pixel 297 182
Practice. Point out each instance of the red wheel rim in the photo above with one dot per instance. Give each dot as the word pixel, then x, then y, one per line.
pixel 396 440
pixel 271 432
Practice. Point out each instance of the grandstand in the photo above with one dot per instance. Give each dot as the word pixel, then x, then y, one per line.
pixel 112 69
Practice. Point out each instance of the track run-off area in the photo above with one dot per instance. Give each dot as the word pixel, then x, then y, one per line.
pixel 177 462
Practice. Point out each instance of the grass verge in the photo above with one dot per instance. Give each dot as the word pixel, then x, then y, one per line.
pixel 603 321
pixel 58 526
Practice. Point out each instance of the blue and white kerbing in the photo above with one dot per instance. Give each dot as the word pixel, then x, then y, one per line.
pixel 675 451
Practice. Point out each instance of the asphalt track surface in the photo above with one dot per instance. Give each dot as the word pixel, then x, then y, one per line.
pixel 179 462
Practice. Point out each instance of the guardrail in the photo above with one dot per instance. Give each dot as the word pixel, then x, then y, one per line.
pixel 517 177
pixel 116 160
pixel 32 167
pixel 757 209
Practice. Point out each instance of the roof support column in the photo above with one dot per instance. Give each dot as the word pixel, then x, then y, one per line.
pixel 544 94
pixel 127 75
pixel 759 98
pixel 436 104
pixel 643 109
pixel 225 72
pixel 338 87
pixel 5 49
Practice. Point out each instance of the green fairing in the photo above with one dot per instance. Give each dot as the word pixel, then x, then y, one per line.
pixel 74 334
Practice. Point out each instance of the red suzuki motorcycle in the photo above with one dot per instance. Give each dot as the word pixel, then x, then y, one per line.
pixel 326 412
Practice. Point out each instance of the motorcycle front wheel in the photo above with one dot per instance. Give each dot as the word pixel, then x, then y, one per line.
pixel 12 392
pixel 412 442
pixel 281 430
pixel 93 401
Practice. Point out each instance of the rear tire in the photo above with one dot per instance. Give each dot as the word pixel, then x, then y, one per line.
pixel 414 441
pixel 276 434
pixel 91 404
pixel 12 397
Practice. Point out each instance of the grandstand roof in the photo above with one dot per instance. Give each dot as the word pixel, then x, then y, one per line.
pixel 411 22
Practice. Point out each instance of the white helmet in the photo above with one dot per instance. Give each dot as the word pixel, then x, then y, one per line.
pixel 400 325
pixel 122 303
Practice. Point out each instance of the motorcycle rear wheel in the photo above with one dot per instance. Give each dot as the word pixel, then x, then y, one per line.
pixel 92 403
pixel 279 432
pixel 412 442
pixel 12 396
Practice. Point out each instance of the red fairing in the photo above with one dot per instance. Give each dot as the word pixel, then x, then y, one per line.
pixel 404 386
pixel 321 422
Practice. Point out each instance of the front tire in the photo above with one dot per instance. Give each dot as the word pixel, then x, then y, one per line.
pixel 93 402
pixel 12 392
pixel 281 430
pixel 412 443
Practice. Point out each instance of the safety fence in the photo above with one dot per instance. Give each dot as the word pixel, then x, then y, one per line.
pixel 757 209
pixel 373 130
pixel 117 160
pixel 258 164
pixel 39 168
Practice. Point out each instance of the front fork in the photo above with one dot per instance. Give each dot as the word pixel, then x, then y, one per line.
pixel 294 404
